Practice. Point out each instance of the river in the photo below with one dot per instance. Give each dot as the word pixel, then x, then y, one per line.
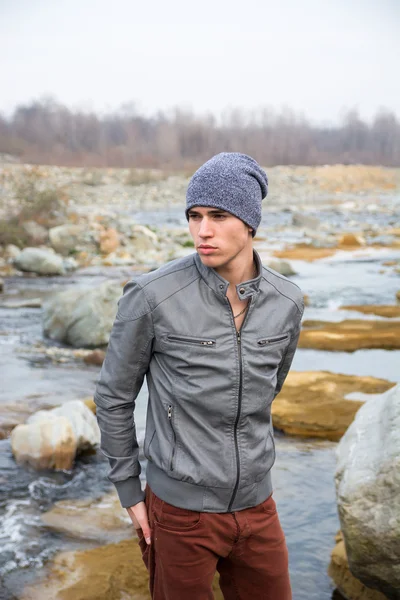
pixel 303 473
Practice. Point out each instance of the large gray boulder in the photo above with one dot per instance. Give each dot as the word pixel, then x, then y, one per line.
pixel 368 493
pixel 50 439
pixel 65 238
pixel 280 266
pixel 306 221
pixel 82 318
pixel 40 261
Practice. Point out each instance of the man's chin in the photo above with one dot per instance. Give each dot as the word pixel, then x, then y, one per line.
pixel 210 260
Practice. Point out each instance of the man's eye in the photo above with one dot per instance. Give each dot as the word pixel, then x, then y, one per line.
pixel 193 217
pixel 219 217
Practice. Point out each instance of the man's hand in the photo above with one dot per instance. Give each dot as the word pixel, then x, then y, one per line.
pixel 138 515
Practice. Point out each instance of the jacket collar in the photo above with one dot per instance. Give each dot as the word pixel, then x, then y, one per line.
pixel 220 286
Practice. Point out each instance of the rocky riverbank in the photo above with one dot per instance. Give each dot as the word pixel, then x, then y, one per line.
pixel 69 239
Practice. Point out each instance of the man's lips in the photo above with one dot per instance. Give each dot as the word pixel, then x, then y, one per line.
pixel 206 249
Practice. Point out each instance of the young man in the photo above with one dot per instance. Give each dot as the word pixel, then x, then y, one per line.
pixel 215 334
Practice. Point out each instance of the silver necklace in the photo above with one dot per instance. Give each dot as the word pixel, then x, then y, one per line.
pixel 241 312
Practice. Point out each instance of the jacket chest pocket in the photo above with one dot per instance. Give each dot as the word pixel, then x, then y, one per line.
pixel 266 342
pixel 263 358
pixel 191 341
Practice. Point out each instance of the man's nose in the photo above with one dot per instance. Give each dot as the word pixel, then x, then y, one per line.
pixel 205 228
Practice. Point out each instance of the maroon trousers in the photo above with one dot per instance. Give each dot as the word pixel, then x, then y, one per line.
pixel 246 547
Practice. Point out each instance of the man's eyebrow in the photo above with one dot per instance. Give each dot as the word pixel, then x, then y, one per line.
pixel 212 211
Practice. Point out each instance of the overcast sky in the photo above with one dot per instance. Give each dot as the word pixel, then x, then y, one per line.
pixel 317 57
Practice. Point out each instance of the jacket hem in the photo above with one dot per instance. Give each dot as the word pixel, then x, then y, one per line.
pixel 204 498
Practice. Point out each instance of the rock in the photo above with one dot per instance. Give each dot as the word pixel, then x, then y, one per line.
pixel 45 444
pixel 90 404
pixel 281 266
pixel 368 491
pixel 143 238
pixel 314 404
pixel 50 439
pixel 102 520
pixel 82 318
pixel 387 311
pixel 346 583
pixel 81 418
pixel 12 415
pixel 95 358
pixel 70 264
pixel 306 300
pixel 11 252
pixel 109 241
pixel 65 238
pixel 29 303
pixel 305 252
pixel 117 259
pixel 398 296
pixel 42 262
pixel 351 240
pixel 111 572
pixel 390 263
pixel 37 233
pixel 350 335
pixel 1 285
pixel 305 221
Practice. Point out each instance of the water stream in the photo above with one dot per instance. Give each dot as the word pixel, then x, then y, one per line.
pixel 303 474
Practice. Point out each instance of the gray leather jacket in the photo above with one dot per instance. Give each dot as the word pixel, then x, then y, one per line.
pixel 209 437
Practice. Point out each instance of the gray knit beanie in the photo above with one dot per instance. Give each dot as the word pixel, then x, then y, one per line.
pixel 230 181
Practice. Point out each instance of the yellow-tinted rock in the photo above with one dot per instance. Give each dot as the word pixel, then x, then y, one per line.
pixel 109 241
pixel 46 444
pixel 313 404
pixel 346 583
pixel 305 252
pixel 95 358
pixel 90 404
pixel 381 310
pixel 398 296
pixel 350 335
pixel 306 300
pixel 104 520
pixel 351 240
pixel 112 572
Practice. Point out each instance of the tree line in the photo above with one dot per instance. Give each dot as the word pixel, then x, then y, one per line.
pixel 46 132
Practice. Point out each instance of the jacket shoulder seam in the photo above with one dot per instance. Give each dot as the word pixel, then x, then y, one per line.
pixel 280 277
pixel 166 275
pixel 285 295
pixel 176 292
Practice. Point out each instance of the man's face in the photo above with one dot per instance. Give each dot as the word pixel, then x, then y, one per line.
pixel 218 236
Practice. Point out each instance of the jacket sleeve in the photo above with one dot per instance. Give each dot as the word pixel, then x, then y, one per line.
pixel 121 377
pixel 287 360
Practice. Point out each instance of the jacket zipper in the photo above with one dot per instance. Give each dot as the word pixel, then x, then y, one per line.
pixel 188 340
pixel 239 340
pixel 272 340
pixel 171 465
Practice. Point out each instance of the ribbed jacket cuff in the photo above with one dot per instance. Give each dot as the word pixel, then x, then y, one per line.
pixel 129 491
